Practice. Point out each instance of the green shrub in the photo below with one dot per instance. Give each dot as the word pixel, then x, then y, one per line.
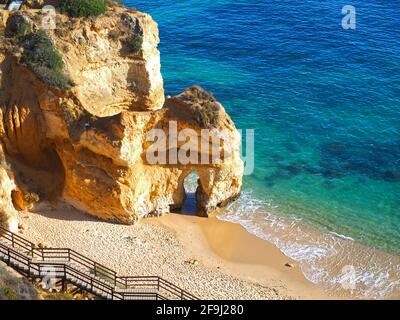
pixel 10 293
pixel 17 26
pixel 134 43
pixel 54 78
pixel 41 57
pixel 83 8
pixel 40 50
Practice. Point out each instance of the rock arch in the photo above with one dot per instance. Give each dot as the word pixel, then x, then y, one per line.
pixel 99 149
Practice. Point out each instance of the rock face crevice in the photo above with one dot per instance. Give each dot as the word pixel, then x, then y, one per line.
pixel 89 145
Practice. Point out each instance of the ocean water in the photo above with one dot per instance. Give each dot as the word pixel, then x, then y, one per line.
pixel 325 106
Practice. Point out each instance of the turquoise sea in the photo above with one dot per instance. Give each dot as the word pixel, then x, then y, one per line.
pixel 325 106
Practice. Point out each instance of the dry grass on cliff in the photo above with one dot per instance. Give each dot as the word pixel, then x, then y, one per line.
pixel 44 60
pixel 38 51
pixel 195 106
pixel 13 286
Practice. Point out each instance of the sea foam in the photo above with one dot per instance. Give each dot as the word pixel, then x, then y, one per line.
pixel 325 258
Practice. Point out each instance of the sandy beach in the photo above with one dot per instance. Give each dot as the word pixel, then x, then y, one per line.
pixel 208 257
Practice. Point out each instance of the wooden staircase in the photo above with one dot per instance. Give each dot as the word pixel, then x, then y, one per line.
pixel 73 268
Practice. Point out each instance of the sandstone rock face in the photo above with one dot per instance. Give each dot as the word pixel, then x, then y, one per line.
pixel 94 145
pixel 7 212
pixel 107 78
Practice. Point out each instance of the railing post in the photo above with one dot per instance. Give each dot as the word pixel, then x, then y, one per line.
pixel 109 275
pixel 64 285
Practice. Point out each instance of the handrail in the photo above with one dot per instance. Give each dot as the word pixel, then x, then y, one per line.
pixel 132 282
pixel 17 256
pixel 184 295
pixel 72 273
pixel 73 256
pixel 77 274
pixel 16 240
pixel 112 284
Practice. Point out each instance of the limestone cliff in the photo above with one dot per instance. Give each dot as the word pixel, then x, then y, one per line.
pixel 87 144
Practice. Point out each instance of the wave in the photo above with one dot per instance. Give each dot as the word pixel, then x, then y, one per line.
pixel 329 259
pixel 341 236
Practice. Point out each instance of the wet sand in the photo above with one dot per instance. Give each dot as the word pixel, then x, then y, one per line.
pixel 230 247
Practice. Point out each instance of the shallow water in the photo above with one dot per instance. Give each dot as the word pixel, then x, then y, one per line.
pixel 325 106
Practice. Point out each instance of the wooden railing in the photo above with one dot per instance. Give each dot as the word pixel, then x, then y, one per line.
pixel 17 241
pixel 83 272
pixel 59 254
pixel 155 282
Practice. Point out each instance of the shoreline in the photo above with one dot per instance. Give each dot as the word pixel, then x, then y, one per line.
pixel 210 258
pixel 227 245
pixel 344 268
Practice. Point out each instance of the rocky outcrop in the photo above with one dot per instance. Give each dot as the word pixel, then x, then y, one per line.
pixel 108 77
pixel 14 286
pixel 95 145
pixel 7 210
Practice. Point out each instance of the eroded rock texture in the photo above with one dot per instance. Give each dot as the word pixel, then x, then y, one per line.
pixel 89 145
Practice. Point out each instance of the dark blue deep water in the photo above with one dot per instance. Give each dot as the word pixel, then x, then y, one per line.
pixel 324 103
